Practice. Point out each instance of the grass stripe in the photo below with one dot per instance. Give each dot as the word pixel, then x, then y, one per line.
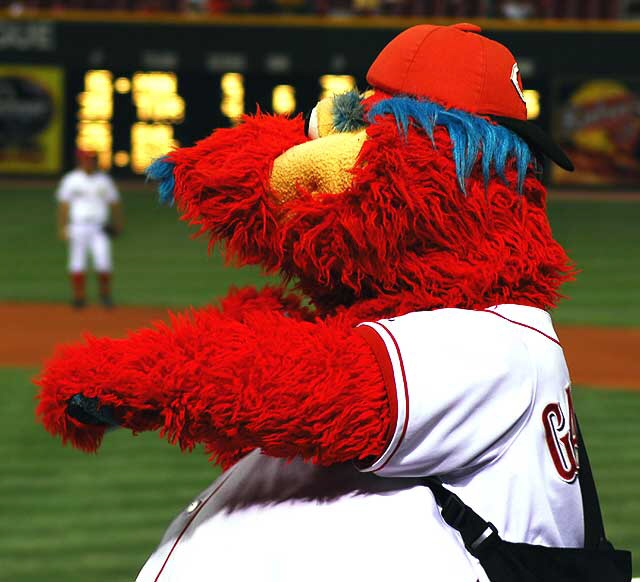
pixel 157 263
pixel 68 517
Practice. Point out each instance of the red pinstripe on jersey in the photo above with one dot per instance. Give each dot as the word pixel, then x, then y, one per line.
pixel 382 355
pixel 554 340
pixel 186 527
pixel 379 349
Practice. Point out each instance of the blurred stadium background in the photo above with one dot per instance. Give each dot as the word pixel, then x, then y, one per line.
pixel 131 78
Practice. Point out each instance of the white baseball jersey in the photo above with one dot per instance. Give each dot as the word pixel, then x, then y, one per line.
pixel 480 399
pixel 88 196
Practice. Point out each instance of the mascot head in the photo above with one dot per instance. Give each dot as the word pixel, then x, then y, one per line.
pixel 421 193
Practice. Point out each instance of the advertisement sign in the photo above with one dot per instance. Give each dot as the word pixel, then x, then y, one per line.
pixel 31 119
pixel 597 121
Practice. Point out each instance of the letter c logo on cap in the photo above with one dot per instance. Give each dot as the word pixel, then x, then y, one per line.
pixel 514 79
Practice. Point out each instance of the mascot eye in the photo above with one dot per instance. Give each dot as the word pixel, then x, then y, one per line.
pixel 307 117
pixel 311 124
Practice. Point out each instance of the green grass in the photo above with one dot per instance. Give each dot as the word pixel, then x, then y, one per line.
pixel 66 516
pixel 70 517
pixel 157 263
pixel 603 238
pixel 609 422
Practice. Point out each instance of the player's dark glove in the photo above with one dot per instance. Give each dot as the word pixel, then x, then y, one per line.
pixel 111 230
pixel 89 411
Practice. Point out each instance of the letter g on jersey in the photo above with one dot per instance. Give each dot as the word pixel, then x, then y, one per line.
pixel 562 439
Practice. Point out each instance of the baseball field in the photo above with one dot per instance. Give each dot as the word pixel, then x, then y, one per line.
pixel 70 517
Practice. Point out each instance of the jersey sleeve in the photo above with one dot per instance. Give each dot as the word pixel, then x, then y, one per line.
pixel 461 386
pixel 112 191
pixel 63 193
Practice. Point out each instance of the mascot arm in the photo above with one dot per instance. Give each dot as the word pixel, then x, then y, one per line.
pixel 240 302
pixel 287 386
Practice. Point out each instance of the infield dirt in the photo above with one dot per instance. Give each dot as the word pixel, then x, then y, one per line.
pixel 597 356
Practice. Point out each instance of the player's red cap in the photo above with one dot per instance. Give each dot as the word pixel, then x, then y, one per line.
pixel 458 68
pixel 85 153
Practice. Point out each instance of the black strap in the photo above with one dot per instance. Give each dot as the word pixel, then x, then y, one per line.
pixel 478 534
pixel 594 536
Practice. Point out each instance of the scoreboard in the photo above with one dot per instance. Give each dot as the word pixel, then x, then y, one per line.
pixel 132 88
pixel 130 118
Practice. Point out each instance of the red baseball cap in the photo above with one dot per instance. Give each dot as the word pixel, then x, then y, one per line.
pixel 458 68
pixel 86 154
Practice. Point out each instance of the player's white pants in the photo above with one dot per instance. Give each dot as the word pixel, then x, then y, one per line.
pixel 88 238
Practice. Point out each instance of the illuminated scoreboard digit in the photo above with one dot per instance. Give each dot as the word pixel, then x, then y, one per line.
pixel 95 111
pixel 336 84
pixel 283 99
pixel 532 99
pixel 232 104
pixel 158 107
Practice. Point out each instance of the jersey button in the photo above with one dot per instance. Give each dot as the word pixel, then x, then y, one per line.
pixel 193 506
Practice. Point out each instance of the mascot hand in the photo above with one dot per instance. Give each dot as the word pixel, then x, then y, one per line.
pixel 89 388
pixel 90 411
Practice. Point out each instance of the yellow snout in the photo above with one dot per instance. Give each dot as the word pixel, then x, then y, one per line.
pixel 322 165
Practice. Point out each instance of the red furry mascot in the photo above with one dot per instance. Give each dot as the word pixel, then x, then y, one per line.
pixel 409 338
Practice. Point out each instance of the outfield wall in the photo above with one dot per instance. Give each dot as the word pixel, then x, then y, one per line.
pixel 131 87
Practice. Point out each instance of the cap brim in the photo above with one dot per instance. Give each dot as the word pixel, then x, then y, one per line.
pixel 537 138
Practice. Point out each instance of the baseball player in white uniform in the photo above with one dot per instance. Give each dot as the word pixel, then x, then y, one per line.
pixel 87 200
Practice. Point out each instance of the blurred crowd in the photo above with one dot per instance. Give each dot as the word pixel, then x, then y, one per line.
pixel 510 9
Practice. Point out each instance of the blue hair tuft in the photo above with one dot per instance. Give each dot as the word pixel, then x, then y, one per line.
pixel 348 112
pixel 470 135
pixel 161 170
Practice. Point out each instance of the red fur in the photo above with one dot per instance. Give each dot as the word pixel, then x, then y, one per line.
pixel 222 185
pixel 239 302
pixel 406 235
pixel 261 371
pixel 403 237
pixel 287 386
